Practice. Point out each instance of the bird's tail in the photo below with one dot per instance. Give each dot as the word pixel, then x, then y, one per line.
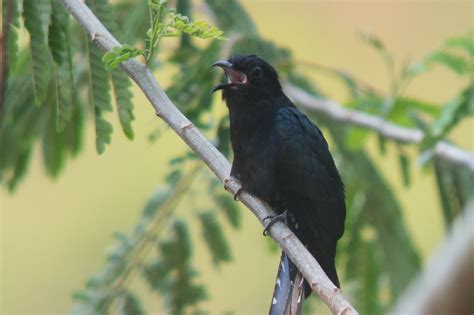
pixel 288 293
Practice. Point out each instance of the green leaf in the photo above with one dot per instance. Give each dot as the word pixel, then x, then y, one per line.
pixel 20 124
pixel 100 98
pixel 74 129
pixel 173 177
pixel 132 23
pixel 123 98
pixel 375 42
pixel 199 29
pixel 231 16
pixel 405 168
pixel 172 274
pixel 11 13
pixel 463 42
pixel 54 147
pixel 382 144
pixel 117 55
pixel 156 201
pixel 357 138
pixel 128 304
pixel 215 239
pixel 191 90
pixel 120 82
pixel 372 275
pixel 403 108
pixel 103 131
pixel 353 237
pixel 455 187
pixel 39 49
pixel 445 186
pixel 451 114
pixel 157 10
pixel 186 49
pixel 156 273
pixel 371 40
pixel 451 60
pixel 382 210
pixel 61 51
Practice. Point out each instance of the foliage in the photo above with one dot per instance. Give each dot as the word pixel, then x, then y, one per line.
pixel 49 98
pixel 172 275
pixel 117 55
pixel 164 22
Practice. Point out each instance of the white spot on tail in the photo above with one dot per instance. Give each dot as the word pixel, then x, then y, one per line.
pixel 283 266
pixel 274 301
pixel 278 282
pixel 301 282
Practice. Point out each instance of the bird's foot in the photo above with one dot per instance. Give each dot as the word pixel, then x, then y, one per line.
pixel 273 219
pixel 236 195
pixel 229 182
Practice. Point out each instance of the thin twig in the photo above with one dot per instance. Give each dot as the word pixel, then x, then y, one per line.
pixel 142 75
pixel 386 129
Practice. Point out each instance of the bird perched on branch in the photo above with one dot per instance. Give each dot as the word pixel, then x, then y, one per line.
pixel 282 157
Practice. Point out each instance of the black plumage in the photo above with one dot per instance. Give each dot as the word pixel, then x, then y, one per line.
pixel 283 158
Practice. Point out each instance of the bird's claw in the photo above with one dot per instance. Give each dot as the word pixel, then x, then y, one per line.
pixel 273 219
pixel 236 195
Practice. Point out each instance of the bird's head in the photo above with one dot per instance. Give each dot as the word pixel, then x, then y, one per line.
pixel 248 75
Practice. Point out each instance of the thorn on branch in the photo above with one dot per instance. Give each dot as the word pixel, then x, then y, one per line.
pixel 94 36
pixel 185 127
pixel 344 311
pixel 228 183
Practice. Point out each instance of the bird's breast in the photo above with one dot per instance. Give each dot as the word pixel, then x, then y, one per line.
pixel 251 162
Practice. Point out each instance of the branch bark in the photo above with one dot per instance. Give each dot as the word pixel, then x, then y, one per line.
pixel 165 109
pixel 336 112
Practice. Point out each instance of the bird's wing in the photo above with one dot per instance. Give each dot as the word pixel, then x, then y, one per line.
pixel 307 170
pixel 310 185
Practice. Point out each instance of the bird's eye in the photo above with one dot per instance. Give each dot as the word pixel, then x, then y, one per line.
pixel 257 72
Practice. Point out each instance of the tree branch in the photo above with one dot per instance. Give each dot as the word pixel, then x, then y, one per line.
pixel 165 109
pixel 446 284
pixel 336 112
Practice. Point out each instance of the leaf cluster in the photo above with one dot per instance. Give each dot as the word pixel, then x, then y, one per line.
pixel 166 23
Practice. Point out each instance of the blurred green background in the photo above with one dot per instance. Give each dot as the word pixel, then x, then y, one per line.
pixel 54 233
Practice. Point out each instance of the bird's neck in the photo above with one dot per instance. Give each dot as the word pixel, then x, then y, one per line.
pixel 251 117
pixel 247 116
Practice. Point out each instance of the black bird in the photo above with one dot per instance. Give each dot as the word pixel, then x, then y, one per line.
pixel 282 157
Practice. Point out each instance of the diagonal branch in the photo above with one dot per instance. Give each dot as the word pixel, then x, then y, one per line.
pixel 446 284
pixel 336 112
pixel 165 109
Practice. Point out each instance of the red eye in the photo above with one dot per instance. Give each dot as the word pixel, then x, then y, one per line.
pixel 257 72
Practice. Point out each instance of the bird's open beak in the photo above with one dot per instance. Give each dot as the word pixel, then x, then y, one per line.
pixel 234 77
